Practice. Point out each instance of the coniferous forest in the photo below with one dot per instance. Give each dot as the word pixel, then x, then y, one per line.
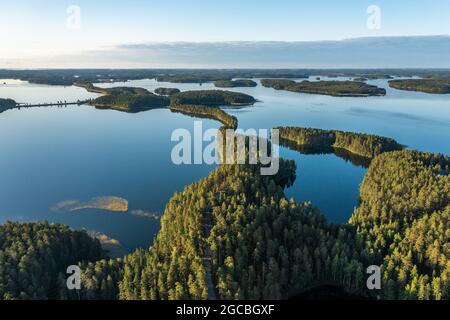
pixel 364 145
pixel 205 159
pixel 235 235
pixel 6 104
pixel 34 258
pixel 403 220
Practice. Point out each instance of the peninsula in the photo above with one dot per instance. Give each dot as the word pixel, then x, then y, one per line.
pixel 365 145
pixel 214 113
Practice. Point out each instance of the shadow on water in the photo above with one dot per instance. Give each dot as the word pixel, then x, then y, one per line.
pixel 355 159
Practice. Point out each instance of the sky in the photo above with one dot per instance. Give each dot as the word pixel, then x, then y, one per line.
pixel 149 33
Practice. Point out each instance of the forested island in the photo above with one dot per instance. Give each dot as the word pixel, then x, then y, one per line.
pixel 331 88
pixel 132 99
pixel 126 99
pixel 114 90
pixel 167 91
pixel 235 83
pixel 364 145
pixel 435 86
pixel 212 98
pixel 6 104
pixel 131 103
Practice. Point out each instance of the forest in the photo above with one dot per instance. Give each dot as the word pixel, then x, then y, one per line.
pixel 331 88
pixel 227 76
pixel 212 98
pixel 264 246
pixel 201 111
pixel 6 104
pixel 260 244
pixel 364 145
pixel 436 86
pixel 235 235
pixel 167 91
pixel 235 83
pixel 126 99
pixel 134 99
pixel 376 76
pixel 34 258
pixel 114 90
pixel 404 221
pixel 130 102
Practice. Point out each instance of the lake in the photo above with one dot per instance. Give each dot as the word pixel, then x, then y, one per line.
pixel 49 155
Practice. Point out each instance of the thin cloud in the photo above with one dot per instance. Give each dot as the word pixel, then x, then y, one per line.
pixel 373 52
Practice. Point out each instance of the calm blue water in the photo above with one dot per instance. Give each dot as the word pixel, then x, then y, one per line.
pixel 54 154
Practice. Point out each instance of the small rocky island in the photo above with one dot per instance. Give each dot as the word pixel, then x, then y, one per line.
pixel 434 86
pixel 235 83
pixel 331 88
pixel 107 203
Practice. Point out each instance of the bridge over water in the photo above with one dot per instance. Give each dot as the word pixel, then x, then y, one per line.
pixel 51 104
